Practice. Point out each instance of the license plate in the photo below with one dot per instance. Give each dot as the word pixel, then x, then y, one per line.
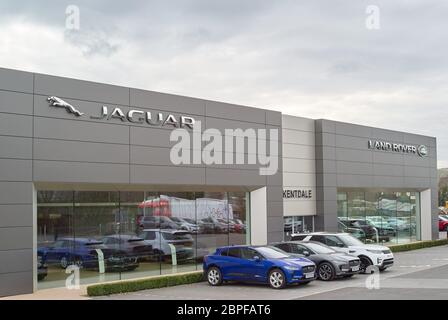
pixel 309 275
pixel 356 268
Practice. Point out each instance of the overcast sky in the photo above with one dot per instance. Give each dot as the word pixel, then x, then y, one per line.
pixel 307 58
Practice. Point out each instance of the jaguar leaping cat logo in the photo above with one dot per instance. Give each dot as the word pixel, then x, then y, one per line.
pixel 58 102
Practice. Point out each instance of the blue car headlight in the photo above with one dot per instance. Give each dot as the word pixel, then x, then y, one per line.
pixel 292 268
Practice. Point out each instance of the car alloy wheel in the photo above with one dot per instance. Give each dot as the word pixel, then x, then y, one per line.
pixel 325 272
pixel 365 263
pixel 214 276
pixel 64 262
pixel 277 279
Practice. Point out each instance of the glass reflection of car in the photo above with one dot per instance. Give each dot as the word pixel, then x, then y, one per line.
pixel 133 246
pixel 239 226
pixel 289 223
pixel 443 223
pixel 162 239
pixel 42 269
pixel 330 264
pixel 183 224
pixel 155 222
pixel 259 264
pixel 213 225
pixel 369 254
pixel 356 232
pixel 83 253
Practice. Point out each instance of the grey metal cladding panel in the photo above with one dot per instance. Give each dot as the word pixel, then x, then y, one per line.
pixel 14 102
pixel 387 157
pixel 412 182
pixel 79 89
pixel 351 142
pixel 58 171
pixel 325 166
pixel 234 112
pixel 16 192
pixel 298 137
pixel 275 179
pixel 151 137
pixel 325 153
pixel 16 125
pixel 275 208
pixel 154 156
pixel 274 193
pixel 326 193
pixel 420 172
pixel 16 261
pixel 412 160
pixel 16 283
pixel 298 123
pixel 325 139
pixel 354 181
pixel 419 139
pixel 343 154
pixel 16 147
pixel 274 236
pixel 275 224
pixel 222 124
pixel 273 118
pixel 353 130
pixel 45 149
pixel 16 215
pixel 167 175
pixel 15 238
pixel 326 180
pixel 325 126
pixel 387 135
pixel 80 131
pixel 389 182
pixel 381 169
pixel 347 167
pixel 168 102
pixel 16 80
pixel 234 177
pixel 15 170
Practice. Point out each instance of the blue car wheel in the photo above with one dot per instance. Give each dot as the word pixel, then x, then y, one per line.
pixel 214 276
pixel 277 279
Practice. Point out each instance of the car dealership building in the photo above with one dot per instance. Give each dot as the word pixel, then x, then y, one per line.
pixel 85 167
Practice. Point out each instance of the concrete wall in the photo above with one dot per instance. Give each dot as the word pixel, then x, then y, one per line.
pixel 299 165
pixel 343 160
pixel 48 146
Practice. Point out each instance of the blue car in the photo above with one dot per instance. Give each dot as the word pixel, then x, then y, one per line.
pixel 83 253
pixel 262 264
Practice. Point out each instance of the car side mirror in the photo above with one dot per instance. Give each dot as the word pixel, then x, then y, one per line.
pixel 257 259
pixel 306 253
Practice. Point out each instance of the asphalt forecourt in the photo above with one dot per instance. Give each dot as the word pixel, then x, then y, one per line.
pixel 417 274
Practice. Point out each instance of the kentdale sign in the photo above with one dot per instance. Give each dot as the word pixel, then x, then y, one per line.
pixel 297 194
pixel 420 150
pixel 133 115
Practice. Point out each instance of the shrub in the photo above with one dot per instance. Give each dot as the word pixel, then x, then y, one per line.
pixel 105 289
pixel 418 245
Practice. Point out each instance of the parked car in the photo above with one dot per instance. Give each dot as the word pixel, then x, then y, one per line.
pixel 368 254
pixel 83 253
pixel 133 246
pixel 262 264
pixel 183 224
pixel 156 222
pixel 330 264
pixel 161 240
pixel 356 232
pixel 213 225
pixel 42 269
pixel 443 223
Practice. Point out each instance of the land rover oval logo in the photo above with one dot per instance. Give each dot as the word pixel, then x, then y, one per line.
pixel 422 151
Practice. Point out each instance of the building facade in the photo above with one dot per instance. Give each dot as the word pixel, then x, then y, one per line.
pixel 87 179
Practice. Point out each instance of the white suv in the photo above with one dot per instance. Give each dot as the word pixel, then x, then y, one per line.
pixel 369 254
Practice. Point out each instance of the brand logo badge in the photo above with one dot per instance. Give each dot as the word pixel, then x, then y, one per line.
pixel 422 150
pixel 58 102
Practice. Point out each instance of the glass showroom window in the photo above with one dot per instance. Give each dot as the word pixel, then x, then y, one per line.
pixel 122 235
pixel 382 217
pixel 296 224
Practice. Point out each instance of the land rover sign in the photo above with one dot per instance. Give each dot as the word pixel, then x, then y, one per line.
pixel 420 150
